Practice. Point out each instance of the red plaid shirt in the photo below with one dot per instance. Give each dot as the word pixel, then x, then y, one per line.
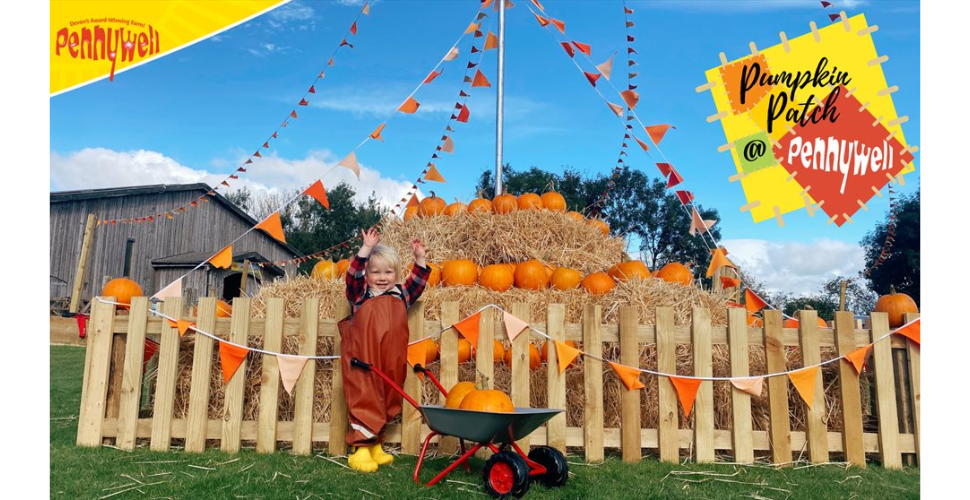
pixel 358 292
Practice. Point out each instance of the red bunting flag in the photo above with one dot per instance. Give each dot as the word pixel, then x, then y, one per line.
pixel 911 331
pixel 584 48
pixel 627 10
pixel 273 226
pixel 231 356
pixel 463 114
pixel 727 282
pixel 376 134
pixel 290 369
pixel 303 102
pixel 462 93
pixel 592 77
pixel 752 302
pixel 433 174
pixel 685 196
pixel 257 155
pixel 317 192
pixel 665 169
pixel 475 49
pixel 312 91
pixel 266 144
pixel 629 376
pixel 674 179
pixel 353 28
pixel 491 41
pixel 432 76
pixel 468 328
pixel 804 381
pixel 657 132
pixel 222 259
pixel 569 49
pixel 537 4
pixel 686 391
pixel 409 106
pixel 293 113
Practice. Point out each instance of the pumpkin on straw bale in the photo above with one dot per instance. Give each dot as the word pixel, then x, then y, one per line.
pixel 122 289
pixel 529 201
pixel 896 305
pixel 675 272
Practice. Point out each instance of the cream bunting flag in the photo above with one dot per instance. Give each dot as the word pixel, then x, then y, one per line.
pixel 452 54
pixel 513 325
pixel 173 289
pixel 606 68
pixel 351 162
pixel 290 368
pixel 448 146
pixel 752 386
pixel 698 225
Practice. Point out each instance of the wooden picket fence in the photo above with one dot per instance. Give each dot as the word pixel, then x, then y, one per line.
pixel 112 386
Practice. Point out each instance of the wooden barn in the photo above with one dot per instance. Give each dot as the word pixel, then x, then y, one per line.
pixel 156 253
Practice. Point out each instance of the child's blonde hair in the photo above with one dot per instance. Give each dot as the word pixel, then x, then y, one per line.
pixel 386 255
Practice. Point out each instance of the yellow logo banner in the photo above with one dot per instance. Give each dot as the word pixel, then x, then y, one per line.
pixel 93 40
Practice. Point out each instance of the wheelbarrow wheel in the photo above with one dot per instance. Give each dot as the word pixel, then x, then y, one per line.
pixel 557 470
pixel 506 474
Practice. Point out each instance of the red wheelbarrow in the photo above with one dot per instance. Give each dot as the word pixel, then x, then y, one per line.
pixel 507 472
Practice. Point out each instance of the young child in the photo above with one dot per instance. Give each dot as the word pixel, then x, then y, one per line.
pixel 376 332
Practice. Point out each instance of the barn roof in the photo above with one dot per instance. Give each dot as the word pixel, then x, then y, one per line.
pixel 192 259
pixel 119 192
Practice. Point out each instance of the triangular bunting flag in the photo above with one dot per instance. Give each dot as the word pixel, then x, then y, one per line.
pixel 182 326
pixel 910 331
pixel 513 326
pixel 642 144
pixel 631 98
pixel 665 169
pixel 290 368
pixel 657 132
pixel 474 48
pixel 273 226
pixel 584 48
pixel 317 192
pixel 366 9
pixel 376 134
pixel 686 391
pixel 858 357
pixel 606 68
pixel 629 376
pixel 565 354
pixel 592 77
pixel 685 196
pixel 452 54
pixel 752 386
pixel 542 21
pixel 627 10
pixel 537 4
pixel 569 49
pixel 448 146
pixel 616 108
pixel 698 225
pixel 312 91
pixel 303 102
pixel 752 302
pixel 413 202
pixel 674 179
pixel 727 282
pixel 223 259
pixel 491 41
pixel 718 260
pixel 468 328
pixel 418 354
pixel 293 114
pixel 433 174
pixel 353 28
pixel 560 25
pixel 231 356
pixel 409 106
pixel 463 114
pixel 82 322
pixel 432 76
pixel 471 28
pixel 804 382
pixel 480 80
pixel 173 289
pixel 351 162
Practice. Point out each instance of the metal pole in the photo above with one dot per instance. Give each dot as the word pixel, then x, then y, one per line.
pixel 501 97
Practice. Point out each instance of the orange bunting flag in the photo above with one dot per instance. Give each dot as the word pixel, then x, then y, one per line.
pixel 468 328
pixel 471 28
pixel 231 357
pixel 513 326
pixel 432 76
pixel 409 106
pixel 182 325
pixel 698 225
pixel 448 146
pixel 718 260
pixel 665 168
pixel 910 331
pixel 542 21
pixel 565 353
pixel 480 80
pixel 433 175
pixel 418 354
pixel 317 192
pixel 353 28
pixel 631 97
pixel 273 226
pixel 584 48
pixel 686 391
pixel 858 357
pixel 617 109
pixel 173 289
pixel 753 386
pixel 376 134
pixel 463 114
pixel 657 132
pixel 485 4
pixel 560 25
pixel 223 259
pixel 537 4
pixel 452 54
pixel 351 163
pixel 752 302
pixel 804 381
pixel 491 41
pixel 606 68
pixel 293 114
pixel 592 77
pixel 290 369
pixel 629 376
pixel 727 282
pixel 642 144
pixel 413 202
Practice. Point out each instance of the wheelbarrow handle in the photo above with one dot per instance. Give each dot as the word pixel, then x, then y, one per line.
pixel 420 369
pixel 360 364
pixel 354 362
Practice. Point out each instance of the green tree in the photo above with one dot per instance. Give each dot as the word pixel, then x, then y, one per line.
pixel 900 268
pixel 242 198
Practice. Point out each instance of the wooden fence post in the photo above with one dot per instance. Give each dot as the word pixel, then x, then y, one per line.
pixel 198 416
pixel 742 429
pixel 269 387
pixel 485 359
pixel 885 392
pixel 303 412
pixel 818 443
pixel 852 438
pixel 556 427
pixel 168 358
pixel 521 365
pixel 667 363
pixel 411 418
pixel 133 371
pixel 448 445
pixel 630 400
pixel 233 406
pixel 780 430
pixel 339 424
pixel 703 367
pixel 593 383
pixel 94 387
pixel 912 349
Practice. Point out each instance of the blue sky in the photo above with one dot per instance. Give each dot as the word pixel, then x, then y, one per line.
pixel 196 114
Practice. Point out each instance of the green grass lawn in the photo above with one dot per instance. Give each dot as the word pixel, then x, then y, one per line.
pixel 110 473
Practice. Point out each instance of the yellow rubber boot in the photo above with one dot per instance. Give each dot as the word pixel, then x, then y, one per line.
pixel 361 460
pixel 379 456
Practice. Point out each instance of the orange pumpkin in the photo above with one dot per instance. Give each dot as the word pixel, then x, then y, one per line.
pixel 325 270
pixel 122 289
pixel 529 201
pixel 531 275
pixel 511 266
pixel 431 206
pixel 565 278
pixel 496 277
pixel 457 393
pixel 342 266
pixel 410 213
pixel 464 351
pixel 480 206
pixel 223 309
pixel 434 278
pixel 675 272
pixel 459 272
pixel 598 283
pixel 498 352
pixel 505 204
pixel 633 269
pixel 554 201
pixel 578 217
pixel 431 353
pixel 601 225
pixel 896 305
pixel 793 323
pixel 490 400
pixel 535 359
pixel 455 209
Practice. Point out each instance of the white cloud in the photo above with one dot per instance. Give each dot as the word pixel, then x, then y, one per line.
pixel 293 12
pixel 381 102
pixel 798 268
pixel 94 168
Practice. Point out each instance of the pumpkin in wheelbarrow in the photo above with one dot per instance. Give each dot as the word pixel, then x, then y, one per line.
pixel 457 394
pixel 488 400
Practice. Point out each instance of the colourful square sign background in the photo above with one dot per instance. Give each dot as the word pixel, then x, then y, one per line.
pixel 848 46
